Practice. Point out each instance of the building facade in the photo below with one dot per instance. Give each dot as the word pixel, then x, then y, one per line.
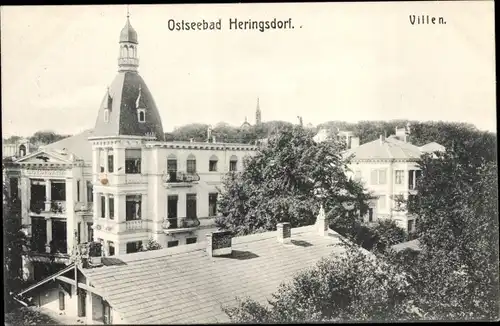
pixel 120 183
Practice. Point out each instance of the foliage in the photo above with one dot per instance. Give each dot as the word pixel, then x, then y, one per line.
pixel 371 236
pixel 46 137
pixel 457 206
pixel 151 245
pixel 14 243
pixel 282 181
pixel 352 286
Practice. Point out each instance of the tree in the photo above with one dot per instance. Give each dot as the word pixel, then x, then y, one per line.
pixel 46 137
pixel 14 242
pixel 352 286
pixel 282 182
pixel 456 273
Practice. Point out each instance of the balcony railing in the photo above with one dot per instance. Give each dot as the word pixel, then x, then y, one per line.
pixel 181 223
pixel 133 225
pixel 181 177
pixel 84 207
pixel 56 206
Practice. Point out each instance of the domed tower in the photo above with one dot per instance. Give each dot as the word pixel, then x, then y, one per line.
pixel 127 121
pixel 128 108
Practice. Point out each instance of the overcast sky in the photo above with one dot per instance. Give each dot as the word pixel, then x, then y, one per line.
pixel 352 61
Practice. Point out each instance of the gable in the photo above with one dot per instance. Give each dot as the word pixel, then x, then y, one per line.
pixel 44 156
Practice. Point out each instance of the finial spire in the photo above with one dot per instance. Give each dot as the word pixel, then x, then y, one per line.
pixel 128 13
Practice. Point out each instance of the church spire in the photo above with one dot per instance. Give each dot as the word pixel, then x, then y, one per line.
pixel 258 114
pixel 128 60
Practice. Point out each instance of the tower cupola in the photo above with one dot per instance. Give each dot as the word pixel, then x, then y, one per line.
pixel 128 60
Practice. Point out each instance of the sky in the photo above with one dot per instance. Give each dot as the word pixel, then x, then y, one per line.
pixel 342 61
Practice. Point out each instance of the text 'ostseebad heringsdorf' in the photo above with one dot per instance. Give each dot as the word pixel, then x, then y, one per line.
pixel 231 24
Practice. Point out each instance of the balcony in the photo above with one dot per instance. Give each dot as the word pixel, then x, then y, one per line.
pixel 180 224
pixel 37 206
pixel 180 179
pixel 84 208
pixel 133 225
pixel 57 207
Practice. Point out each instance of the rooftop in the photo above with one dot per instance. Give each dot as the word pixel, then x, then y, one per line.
pixel 388 148
pixel 77 145
pixel 184 284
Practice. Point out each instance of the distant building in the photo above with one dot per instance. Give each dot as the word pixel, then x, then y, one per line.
pixel 258 118
pixel 17 148
pixel 389 168
pixel 187 284
pixel 120 183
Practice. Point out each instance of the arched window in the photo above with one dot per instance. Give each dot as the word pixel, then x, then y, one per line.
pixel 141 115
pixel 131 52
pixel 22 150
pixel 191 164
pixel 106 115
pixel 233 163
pixel 212 164
pixel 124 51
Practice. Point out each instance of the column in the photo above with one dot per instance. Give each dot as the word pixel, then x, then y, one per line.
pixel 25 190
pixel 48 194
pixel 119 208
pixel 95 164
pixel 120 247
pixel 97 201
pixel 106 206
pixel 70 215
pixel 181 205
pixel 406 182
pixel 119 162
pixel 48 222
pixel 106 165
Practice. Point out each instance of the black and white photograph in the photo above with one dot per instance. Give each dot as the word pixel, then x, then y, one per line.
pixel 258 163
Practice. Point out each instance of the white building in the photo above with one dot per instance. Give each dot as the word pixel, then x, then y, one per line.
pixel 388 167
pixel 121 183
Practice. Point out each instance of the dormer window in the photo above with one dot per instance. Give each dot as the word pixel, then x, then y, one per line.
pixel 106 115
pixel 141 115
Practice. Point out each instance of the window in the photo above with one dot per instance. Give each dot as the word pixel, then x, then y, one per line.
pixel 399 177
pixel 110 163
pixel 61 300
pixel 58 190
pixel 233 163
pixel 212 164
pixel 111 205
pixel 378 177
pixel 191 205
pixel 90 190
pixel 103 207
pixel 77 190
pixel 132 161
pixel 370 214
pixel 381 202
pixel 111 248
pixel 106 115
pixel 411 179
pixel 90 232
pixel 133 207
pixel 357 175
pixel 106 313
pixel 134 246
pixel 141 115
pixel 191 240
pixel 191 164
pixel 14 188
pixel 411 225
pixel 212 204
pixel 172 207
pixel 172 169
pixel 173 243
pixel 79 232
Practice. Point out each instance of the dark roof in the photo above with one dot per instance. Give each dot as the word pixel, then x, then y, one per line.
pixel 123 120
pixel 185 285
pixel 128 33
pixel 389 148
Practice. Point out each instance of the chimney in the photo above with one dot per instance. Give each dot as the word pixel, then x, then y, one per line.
pixel 219 243
pixel 354 142
pixel 382 139
pixel 322 223
pixel 284 232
